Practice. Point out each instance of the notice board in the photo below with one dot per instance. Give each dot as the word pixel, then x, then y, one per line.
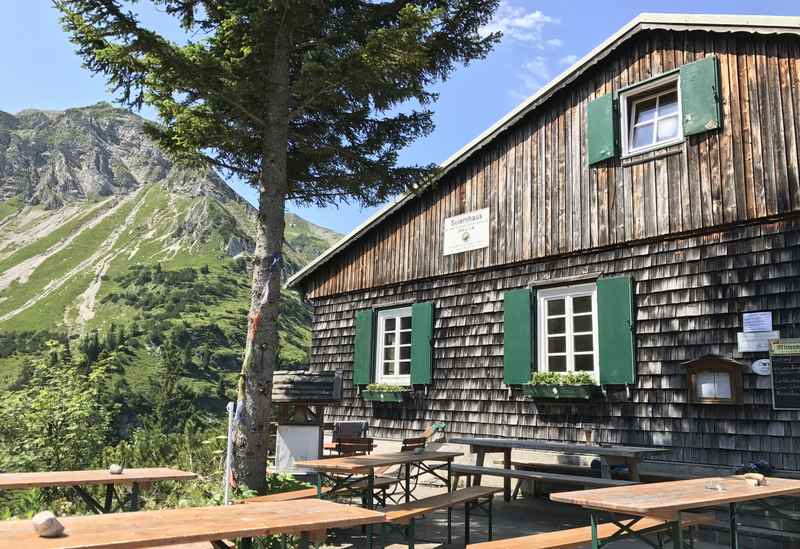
pixel 785 357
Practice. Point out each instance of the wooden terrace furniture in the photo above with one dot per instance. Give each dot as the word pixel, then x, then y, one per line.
pixel 608 454
pixel 380 484
pixel 669 500
pixel 579 537
pixel 405 514
pixel 342 472
pixel 520 474
pixel 77 480
pixel 192 525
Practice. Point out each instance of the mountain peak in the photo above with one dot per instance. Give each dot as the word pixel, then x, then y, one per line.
pixel 55 157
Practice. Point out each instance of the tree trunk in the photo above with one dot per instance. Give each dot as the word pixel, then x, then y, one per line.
pixel 261 351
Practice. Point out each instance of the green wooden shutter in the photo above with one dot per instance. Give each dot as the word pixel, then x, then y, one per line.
pixel 615 330
pixel 700 96
pixel 421 343
pixel 363 352
pixel 601 139
pixel 518 330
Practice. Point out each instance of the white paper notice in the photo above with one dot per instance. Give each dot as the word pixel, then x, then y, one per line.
pixel 756 342
pixel 757 322
pixel 469 231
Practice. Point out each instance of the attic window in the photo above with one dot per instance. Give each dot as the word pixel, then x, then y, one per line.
pixel 651 116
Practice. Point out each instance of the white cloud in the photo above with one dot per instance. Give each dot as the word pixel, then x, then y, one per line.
pixel 554 42
pixel 535 73
pixel 520 24
pixel 568 59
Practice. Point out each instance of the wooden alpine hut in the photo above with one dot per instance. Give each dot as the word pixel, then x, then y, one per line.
pixel 635 223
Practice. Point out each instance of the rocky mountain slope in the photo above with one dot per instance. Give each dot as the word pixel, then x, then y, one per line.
pixel 99 231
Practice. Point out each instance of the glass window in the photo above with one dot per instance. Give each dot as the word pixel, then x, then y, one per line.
pixel 567 321
pixel 652 117
pixel 394 353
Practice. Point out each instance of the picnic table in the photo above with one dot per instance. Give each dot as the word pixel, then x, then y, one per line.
pixel 191 525
pixel 346 471
pixel 667 500
pixel 77 480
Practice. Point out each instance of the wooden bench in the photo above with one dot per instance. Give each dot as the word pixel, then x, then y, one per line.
pixel 381 483
pixel 577 537
pixel 406 513
pixel 476 471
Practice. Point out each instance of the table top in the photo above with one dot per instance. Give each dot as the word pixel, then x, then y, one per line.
pixel 18 481
pixel 665 499
pixel 189 525
pixel 555 446
pixel 364 464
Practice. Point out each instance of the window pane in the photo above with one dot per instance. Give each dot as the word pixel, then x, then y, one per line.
pixel 645 111
pixel 555 307
pixel 582 323
pixel 388 353
pixel 584 363
pixel 388 339
pixel 667 128
pixel 557 344
pixel 583 343
pixel 405 338
pixel 405 323
pixel 643 136
pixel 405 368
pixel 557 363
pixel 582 304
pixel 668 104
pixel 388 368
pixel 388 325
pixel 556 325
pixel 405 353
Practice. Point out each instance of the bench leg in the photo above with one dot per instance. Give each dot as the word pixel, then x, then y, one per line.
pixel 449 525
pixel 304 540
pixel 411 534
pixel 734 527
pixel 491 499
pixel 466 523
pixel 595 538
pixel 479 462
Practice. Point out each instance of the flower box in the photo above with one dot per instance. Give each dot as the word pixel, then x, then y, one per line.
pixel 384 396
pixel 573 392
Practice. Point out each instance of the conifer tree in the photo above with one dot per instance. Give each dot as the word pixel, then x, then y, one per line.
pixel 307 100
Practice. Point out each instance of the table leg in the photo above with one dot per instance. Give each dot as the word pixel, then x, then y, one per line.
pixel 407 468
pixel 605 468
pixel 370 502
pixel 734 527
pixel 507 480
pixel 109 502
pixel 135 496
pixel 595 537
pixel 633 466
pixel 677 533
pixel 449 509
pixel 319 485
pixel 247 543
pixel 479 462
pixel 304 540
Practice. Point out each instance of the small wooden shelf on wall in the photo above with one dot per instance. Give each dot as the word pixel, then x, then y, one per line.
pixel 714 379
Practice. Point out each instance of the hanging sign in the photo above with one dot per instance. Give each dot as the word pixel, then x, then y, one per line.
pixel 785 356
pixel 469 231
pixel 761 367
pixel 756 342
pixel 757 322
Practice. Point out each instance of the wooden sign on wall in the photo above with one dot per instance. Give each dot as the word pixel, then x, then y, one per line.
pixel 465 232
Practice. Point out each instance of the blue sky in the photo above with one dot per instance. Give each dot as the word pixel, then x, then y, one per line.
pixel 40 69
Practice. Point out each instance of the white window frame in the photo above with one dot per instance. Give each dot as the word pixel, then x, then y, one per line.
pixel 628 99
pixel 380 377
pixel 547 294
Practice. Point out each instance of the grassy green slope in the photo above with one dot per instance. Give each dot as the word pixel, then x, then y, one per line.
pixel 96 281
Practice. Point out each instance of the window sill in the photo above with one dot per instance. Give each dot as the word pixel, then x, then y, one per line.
pixel 565 392
pixel 662 151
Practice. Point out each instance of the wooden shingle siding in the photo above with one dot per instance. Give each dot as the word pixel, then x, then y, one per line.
pixel 545 200
pixel 690 293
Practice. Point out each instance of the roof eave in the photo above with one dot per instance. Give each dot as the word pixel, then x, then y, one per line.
pixel 644 21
